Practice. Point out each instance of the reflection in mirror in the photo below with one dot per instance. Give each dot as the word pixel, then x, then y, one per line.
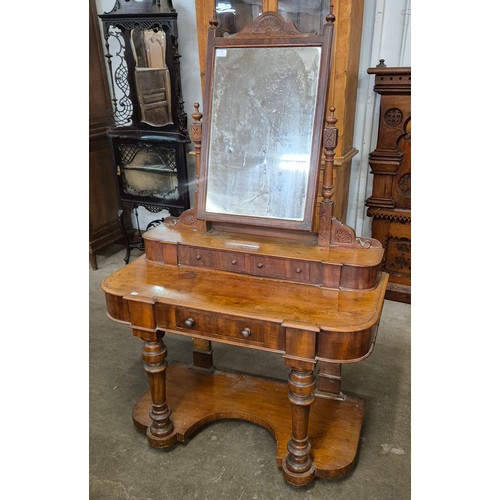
pixel 152 77
pixel 307 16
pixel 234 15
pixel 260 144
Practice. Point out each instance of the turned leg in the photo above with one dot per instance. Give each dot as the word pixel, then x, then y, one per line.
pixel 298 467
pixel 329 381
pixel 161 430
pixel 202 356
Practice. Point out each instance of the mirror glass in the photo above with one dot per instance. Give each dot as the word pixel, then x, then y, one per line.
pixel 263 105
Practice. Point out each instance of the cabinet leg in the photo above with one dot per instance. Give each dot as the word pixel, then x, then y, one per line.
pixel 202 356
pixel 298 467
pixel 93 260
pixel 329 381
pixel 161 430
pixel 125 235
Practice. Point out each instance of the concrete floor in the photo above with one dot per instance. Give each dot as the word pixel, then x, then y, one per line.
pixel 235 459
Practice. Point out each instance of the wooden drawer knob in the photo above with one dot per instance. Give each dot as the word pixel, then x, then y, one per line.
pixel 246 332
pixel 298 270
pixel 198 257
pixel 260 265
pixel 234 262
pixel 189 322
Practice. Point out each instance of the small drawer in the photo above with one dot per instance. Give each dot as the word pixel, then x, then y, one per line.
pixel 290 269
pixel 226 327
pixel 193 256
pixel 230 261
pixel 215 259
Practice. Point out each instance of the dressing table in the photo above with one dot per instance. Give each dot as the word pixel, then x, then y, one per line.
pixel 244 266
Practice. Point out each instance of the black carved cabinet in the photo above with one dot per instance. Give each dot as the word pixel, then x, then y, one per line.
pixel 149 132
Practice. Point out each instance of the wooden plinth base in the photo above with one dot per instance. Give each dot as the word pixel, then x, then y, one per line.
pixel 198 398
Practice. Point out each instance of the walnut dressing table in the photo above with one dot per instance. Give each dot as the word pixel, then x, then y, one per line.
pixel 253 273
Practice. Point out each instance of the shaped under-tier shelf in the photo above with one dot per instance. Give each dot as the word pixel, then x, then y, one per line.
pixel 334 426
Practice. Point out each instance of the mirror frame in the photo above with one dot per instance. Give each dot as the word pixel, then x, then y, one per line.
pixel 269 30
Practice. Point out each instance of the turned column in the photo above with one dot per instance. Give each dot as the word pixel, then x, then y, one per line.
pixel 142 315
pixel 298 466
pixel 154 353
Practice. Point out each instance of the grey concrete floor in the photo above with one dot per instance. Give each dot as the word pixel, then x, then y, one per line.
pixel 235 459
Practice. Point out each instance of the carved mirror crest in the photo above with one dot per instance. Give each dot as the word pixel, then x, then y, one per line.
pixel 265 100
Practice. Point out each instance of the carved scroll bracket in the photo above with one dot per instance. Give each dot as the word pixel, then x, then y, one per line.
pixel 345 236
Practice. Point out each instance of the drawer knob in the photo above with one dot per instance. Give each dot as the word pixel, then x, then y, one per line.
pixel 260 265
pixel 246 332
pixel 298 270
pixel 198 257
pixel 189 322
pixel 234 262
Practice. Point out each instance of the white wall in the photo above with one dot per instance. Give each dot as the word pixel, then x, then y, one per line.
pixel 386 35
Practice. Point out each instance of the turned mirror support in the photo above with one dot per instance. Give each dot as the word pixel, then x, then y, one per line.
pixel 188 219
pixel 331 231
pixel 330 138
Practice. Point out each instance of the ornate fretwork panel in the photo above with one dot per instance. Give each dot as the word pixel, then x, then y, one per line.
pixel 115 55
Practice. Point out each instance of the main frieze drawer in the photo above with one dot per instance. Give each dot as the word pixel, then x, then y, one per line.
pixel 228 327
